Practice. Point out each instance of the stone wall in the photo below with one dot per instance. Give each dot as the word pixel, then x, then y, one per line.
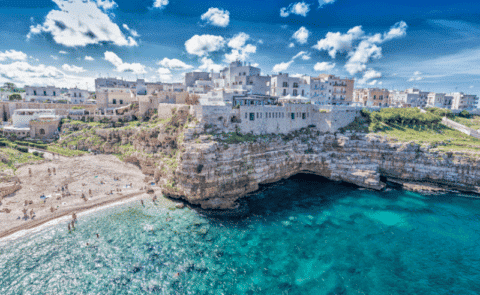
pixel 7 108
pixel 461 128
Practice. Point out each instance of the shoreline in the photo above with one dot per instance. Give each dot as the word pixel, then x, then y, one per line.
pixel 80 211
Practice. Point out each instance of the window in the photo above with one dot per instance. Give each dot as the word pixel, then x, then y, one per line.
pixel 252 116
pixel 79 95
pixel 284 92
pixel 295 93
pixel 246 115
pixel 54 94
pixel 303 92
pixel 304 116
pixel 44 92
pixel 295 85
pixel 114 101
pixel 266 115
pixel 42 131
pixel 74 94
pixel 285 84
pixel 121 101
pixel 34 92
pixel 257 115
pixel 374 97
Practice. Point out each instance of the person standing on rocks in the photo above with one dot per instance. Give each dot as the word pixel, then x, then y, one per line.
pixel 30 172
pixel 25 213
pixel 54 171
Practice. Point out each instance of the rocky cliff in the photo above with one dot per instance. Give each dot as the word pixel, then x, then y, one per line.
pixel 216 172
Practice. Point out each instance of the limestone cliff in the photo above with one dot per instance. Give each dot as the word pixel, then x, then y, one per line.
pixel 214 172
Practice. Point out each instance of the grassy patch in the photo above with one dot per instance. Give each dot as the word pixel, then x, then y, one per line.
pixel 65 151
pixel 11 157
pixel 448 139
pixel 472 122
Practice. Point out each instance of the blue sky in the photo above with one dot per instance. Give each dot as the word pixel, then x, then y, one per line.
pixel 432 45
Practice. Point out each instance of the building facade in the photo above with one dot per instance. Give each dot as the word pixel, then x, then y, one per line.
pixel 42 93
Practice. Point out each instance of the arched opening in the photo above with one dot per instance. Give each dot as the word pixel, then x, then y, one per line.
pixel 42 131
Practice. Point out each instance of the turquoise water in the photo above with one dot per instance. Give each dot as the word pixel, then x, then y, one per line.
pixel 303 237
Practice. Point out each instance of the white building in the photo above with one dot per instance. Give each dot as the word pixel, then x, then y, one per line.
pixel 192 77
pixel 78 96
pixel 42 93
pixel 114 83
pixel 463 101
pixel 439 100
pixel 409 98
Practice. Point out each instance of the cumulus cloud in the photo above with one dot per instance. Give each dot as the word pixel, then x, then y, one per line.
pixel 21 73
pixel 121 66
pixel 299 8
pixel 73 69
pixel 416 76
pixel 360 47
pixel 89 58
pixel 291 45
pixel 216 17
pixel 283 66
pixel 369 75
pixel 240 50
pixel 106 4
pixel 63 52
pixel 208 65
pixel 301 36
pixel 174 64
pixel 54 57
pixel 80 23
pixel 338 42
pixel 131 31
pixel 204 44
pixel 323 66
pixel 12 55
pixel 160 4
pixel 321 3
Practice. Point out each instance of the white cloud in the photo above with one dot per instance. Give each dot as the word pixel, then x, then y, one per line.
pixel 204 44
pixel 22 73
pixel 238 41
pixel 291 45
pixel 255 65
pixel 471 86
pixel 160 3
pixel 283 66
pixel 240 51
pixel 361 48
pixel 416 76
pixel 369 75
pixel 13 55
pixel 373 83
pixel 306 56
pixel 163 71
pixel 338 42
pixel 80 23
pixel 89 58
pixel 208 65
pixel 321 3
pixel 299 8
pixel 216 17
pixel 120 66
pixel 174 64
pixel 131 31
pixel 301 36
pixel 54 57
pixel 323 66
pixel 63 52
pixel 73 69
pixel 106 4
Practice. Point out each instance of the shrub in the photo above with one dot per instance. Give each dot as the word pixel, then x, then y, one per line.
pixel 464 114
pixel 22 149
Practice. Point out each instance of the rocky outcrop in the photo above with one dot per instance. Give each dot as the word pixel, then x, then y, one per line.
pixel 215 175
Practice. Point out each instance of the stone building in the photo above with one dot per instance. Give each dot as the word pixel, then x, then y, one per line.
pixel 372 97
pixel 42 93
pixel 192 77
pixel 78 96
pixel 34 123
pixel 463 101
pixel 439 100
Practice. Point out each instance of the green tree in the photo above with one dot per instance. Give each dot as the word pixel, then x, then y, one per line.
pixel 15 96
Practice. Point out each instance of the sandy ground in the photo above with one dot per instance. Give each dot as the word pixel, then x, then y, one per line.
pixel 81 174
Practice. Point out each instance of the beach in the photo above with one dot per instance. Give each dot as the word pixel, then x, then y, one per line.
pixel 89 182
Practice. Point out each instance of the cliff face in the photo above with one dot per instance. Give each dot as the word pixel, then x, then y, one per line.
pixel 210 172
pixel 215 175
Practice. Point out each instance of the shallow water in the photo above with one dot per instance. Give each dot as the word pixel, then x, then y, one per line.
pixel 303 237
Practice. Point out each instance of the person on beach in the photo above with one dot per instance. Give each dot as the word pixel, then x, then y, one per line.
pixel 30 172
pixel 154 198
pixel 73 224
pixel 90 192
pixel 49 172
pixel 26 203
pixel 31 213
pixel 141 201
pixel 98 236
pixel 69 229
pixel 63 189
pixel 74 216
pixel 54 171
pixel 52 209
pixel 25 213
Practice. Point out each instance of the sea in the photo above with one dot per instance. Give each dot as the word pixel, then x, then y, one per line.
pixel 303 235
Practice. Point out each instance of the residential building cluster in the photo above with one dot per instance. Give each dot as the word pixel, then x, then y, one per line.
pixel 234 90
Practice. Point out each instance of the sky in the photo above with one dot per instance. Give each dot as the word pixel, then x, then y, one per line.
pixel 431 45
